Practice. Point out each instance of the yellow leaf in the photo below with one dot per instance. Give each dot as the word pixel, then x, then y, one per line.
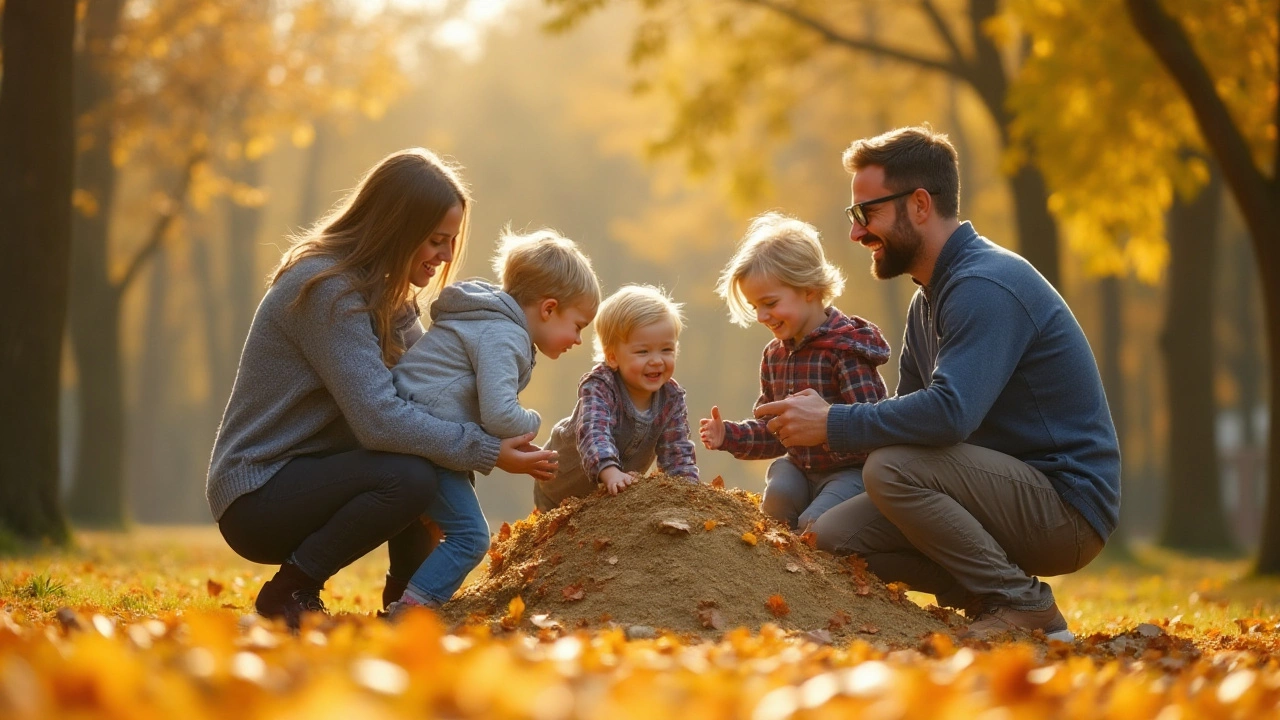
pixel 749 538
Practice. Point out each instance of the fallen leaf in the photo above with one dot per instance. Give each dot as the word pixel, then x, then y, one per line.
pixel 897 591
pixel 601 543
pixel 709 525
pixel 868 629
pixel 717 482
pixel 838 621
pixel 543 621
pixel 613 560
pixel 749 538
pixel 214 587
pixel 711 618
pixel 793 568
pixel 777 606
pixel 673 526
pixel 515 609
pixel 573 592
pixel 810 539
pixel 504 532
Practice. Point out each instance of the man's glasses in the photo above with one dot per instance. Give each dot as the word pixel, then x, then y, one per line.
pixel 856 214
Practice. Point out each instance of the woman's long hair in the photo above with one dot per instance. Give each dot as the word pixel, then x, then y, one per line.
pixel 375 231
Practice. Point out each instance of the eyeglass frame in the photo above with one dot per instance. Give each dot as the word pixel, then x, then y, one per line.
pixel 855 210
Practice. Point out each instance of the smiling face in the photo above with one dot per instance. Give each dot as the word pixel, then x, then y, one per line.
pixel 789 313
pixel 556 328
pixel 893 241
pixel 646 360
pixel 437 248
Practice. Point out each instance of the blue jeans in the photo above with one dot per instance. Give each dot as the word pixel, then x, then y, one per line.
pixel 799 497
pixel 456 509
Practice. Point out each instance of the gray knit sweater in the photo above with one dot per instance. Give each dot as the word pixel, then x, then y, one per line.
pixel 473 362
pixel 308 375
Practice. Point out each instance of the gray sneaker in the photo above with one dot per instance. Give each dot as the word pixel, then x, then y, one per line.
pixel 998 620
pixel 398 609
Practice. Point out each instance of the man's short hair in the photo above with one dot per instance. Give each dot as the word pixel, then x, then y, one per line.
pixel 912 157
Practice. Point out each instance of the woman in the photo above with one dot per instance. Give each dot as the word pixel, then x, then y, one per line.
pixel 317 461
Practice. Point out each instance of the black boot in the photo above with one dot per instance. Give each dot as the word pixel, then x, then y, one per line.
pixel 393 590
pixel 289 595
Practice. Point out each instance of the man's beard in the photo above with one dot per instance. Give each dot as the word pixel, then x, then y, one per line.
pixel 897 254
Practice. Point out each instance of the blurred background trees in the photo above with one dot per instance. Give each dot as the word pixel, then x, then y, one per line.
pixel 651 132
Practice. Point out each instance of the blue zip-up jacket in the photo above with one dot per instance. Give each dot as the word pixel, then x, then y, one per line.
pixel 992 356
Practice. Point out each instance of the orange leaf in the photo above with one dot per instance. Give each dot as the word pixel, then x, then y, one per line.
pixel 868 629
pixel 839 620
pixel 601 543
pixel 710 525
pixel 573 592
pixel 777 606
pixel 717 482
pixel 515 609
pixel 504 532
pixel 214 587
pixel 810 539
pixel 897 591
pixel 748 538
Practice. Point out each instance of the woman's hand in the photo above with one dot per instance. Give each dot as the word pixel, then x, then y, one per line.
pixel 519 456
pixel 711 429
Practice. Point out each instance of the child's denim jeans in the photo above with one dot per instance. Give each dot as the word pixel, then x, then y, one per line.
pixel 799 497
pixel 456 509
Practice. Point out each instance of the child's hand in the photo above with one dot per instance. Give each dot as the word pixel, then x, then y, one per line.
pixel 615 480
pixel 712 429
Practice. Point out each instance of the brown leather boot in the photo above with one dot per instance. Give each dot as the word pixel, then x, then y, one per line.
pixel 289 595
pixel 996 620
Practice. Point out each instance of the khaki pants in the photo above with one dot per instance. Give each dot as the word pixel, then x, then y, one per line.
pixel 972 526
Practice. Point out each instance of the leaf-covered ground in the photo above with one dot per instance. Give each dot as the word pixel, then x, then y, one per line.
pixel 155 624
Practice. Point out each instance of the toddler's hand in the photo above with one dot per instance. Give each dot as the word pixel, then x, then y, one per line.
pixel 711 429
pixel 615 480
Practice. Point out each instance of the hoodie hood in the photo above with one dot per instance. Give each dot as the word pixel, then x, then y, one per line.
pixel 472 300
pixel 847 333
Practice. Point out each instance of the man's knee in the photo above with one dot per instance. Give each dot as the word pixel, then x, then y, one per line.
pixel 884 469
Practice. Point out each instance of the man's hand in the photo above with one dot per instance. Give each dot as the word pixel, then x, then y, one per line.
pixel 798 420
pixel 615 480
pixel 711 429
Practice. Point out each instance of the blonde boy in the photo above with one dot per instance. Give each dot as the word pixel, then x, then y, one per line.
pixel 629 411
pixel 780 278
pixel 471 365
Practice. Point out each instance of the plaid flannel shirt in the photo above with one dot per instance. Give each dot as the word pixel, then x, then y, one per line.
pixel 839 360
pixel 600 397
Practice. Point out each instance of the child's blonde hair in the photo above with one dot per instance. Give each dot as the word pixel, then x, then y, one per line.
pixel 785 249
pixel 629 309
pixel 545 264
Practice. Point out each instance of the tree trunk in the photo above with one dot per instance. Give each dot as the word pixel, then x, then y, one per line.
pixel 1111 346
pixel 1269 545
pixel 94 315
pixel 1194 518
pixel 36 142
pixel 149 447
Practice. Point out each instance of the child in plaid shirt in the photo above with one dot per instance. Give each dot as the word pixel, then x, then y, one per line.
pixel 629 410
pixel 780 277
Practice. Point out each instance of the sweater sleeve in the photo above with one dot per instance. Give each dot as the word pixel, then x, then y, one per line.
pixel 750 439
pixel 595 428
pixel 337 339
pixel 497 367
pixel 986 332
pixel 676 455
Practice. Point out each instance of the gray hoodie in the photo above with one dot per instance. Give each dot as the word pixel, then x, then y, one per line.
pixel 473 361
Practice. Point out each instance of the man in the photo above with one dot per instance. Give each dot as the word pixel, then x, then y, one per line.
pixel 996 460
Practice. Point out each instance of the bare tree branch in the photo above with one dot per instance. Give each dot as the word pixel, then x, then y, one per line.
pixel 943 29
pixel 161 226
pixel 856 43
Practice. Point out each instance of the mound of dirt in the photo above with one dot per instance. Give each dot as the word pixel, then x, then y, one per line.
pixel 693 559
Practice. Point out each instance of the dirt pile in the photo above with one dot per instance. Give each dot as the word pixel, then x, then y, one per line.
pixel 694 559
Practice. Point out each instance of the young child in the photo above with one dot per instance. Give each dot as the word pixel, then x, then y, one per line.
pixel 780 277
pixel 629 409
pixel 471 365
